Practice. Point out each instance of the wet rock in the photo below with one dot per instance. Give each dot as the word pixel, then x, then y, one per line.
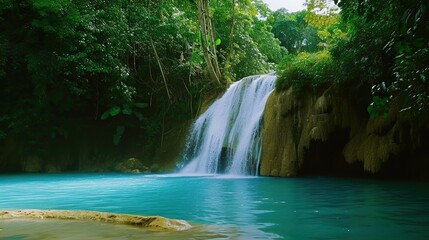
pixel 155 223
pixel 329 132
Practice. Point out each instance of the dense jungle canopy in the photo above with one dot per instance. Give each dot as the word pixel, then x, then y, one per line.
pixel 128 67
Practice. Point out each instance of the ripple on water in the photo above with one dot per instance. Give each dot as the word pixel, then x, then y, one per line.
pixel 238 208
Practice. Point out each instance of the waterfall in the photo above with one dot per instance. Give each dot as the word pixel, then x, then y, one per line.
pixel 227 137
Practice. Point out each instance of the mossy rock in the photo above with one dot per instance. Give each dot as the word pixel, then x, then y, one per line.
pixel 131 165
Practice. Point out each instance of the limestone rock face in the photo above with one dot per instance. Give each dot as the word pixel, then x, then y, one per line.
pixel 152 223
pixel 332 130
pixel 279 144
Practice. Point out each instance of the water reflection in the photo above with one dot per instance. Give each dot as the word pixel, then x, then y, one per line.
pixel 238 208
pixel 235 202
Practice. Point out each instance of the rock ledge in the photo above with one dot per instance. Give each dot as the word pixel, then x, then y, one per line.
pixel 155 223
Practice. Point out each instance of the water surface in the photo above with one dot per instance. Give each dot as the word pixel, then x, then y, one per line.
pixel 237 208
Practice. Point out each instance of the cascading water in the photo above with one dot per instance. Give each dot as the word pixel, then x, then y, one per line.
pixel 227 137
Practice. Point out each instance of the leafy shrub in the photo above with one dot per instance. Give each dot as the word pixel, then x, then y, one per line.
pixel 305 70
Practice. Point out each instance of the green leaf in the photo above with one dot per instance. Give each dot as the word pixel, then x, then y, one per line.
pixel 141 105
pixel 114 111
pixel 377 100
pixel 218 42
pixel 139 115
pixel 127 110
pixel 196 58
pixel 105 115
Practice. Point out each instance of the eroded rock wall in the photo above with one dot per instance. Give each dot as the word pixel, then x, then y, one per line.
pixel 331 132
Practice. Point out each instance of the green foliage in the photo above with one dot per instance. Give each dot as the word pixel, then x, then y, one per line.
pixel 389 49
pixel 113 111
pixel 378 46
pixel 126 109
pixel 218 42
pixel 248 46
pixel 379 107
pixel 73 59
pixel 306 70
pixel 309 36
pixel 69 65
pixel 294 33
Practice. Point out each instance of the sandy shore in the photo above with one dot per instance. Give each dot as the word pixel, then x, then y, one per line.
pixel 155 223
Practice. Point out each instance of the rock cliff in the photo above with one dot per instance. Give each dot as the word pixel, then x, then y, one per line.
pixel 331 133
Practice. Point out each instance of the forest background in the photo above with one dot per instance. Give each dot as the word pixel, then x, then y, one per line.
pixel 110 79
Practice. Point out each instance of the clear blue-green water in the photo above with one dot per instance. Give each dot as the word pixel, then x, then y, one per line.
pixel 241 208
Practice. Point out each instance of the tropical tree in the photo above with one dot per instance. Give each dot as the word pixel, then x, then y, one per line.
pixel 248 47
pixel 389 42
pixel 294 32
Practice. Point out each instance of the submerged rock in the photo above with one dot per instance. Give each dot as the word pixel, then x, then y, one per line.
pixel 155 223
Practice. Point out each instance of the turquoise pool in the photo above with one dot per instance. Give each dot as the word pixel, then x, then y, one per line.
pixel 238 208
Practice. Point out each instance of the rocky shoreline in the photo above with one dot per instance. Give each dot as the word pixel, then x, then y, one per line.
pixel 154 223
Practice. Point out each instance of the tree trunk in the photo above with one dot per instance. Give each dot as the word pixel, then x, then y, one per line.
pixel 208 41
pixel 228 64
pixel 164 78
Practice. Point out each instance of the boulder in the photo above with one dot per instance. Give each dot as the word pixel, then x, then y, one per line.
pixel 131 165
